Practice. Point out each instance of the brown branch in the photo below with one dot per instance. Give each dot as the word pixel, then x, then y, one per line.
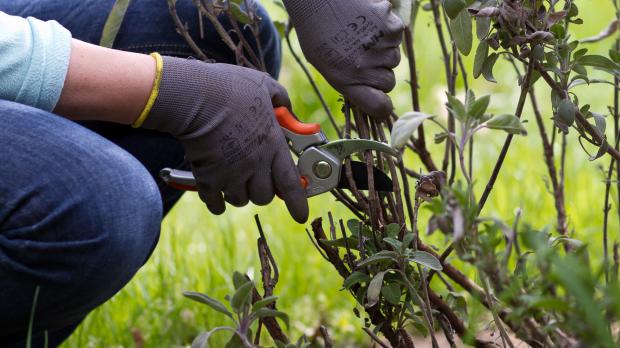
pixel 245 44
pixel 558 189
pixel 581 120
pixel 420 142
pixel 375 338
pixel 500 161
pixel 316 89
pixel 182 30
pixel 268 265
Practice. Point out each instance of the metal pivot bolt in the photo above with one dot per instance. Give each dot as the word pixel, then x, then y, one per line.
pixel 322 169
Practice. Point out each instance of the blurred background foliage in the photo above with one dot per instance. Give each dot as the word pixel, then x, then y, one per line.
pixel 198 251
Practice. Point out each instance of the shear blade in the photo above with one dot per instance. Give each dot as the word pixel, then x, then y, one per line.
pixel 383 183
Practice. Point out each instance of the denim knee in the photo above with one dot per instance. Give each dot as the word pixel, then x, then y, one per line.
pixel 79 217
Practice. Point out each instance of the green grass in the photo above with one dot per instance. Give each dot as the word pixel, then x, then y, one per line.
pixel 198 251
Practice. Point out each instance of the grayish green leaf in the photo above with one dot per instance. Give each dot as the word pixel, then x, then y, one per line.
pixel 425 259
pixel 239 14
pixel 405 126
pixel 488 65
pixel 355 278
pixel 508 123
pixel 453 7
pixel 242 297
pixel 462 31
pixel 599 62
pixel 380 256
pixel 391 292
pixel 264 302
pixel 395 243
pixel 456 107
pixel 481 55
pixel 566 112
pixel 600 122
pixel 392 230
pixel 211 302
pixel 239 279
pixel 483 26
pixel 201 341
pixel 477 109
pixel 114 22
pixel 267 312
pixel 374 289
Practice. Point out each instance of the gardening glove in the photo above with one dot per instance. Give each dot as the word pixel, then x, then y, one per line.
pixel 223 114
pixel 354 44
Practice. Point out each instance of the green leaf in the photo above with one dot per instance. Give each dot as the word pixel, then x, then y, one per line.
pixel 235 342
pixel 407 240
pixel 558 31
pixel 395 243
pixel 481 55
pixel 580 53
pixel 575 243
pixel 354 227
pixel 600 122
pixel 403 9
pixel 374 289
pixel 425 259
pixel 538 53
pixel 391 292
pixel 545 302
pixel 355 278
pixel 392 230
pixel 462 32
pixel 352 243
pixel 488 65
pixel 483 26
pixel 242 297
pixel 268 312
pixel 405 126
pixel 202 340
pixel 615 56
pixel 264 302
pixel 114 22
pixel 239 14
pixel 239 279
pixel 453 7
pixel 602 150
pixel 211 302
pixel 566 112
pixel 456 108
pixel 281 28
pixel 508 123
pixel 599 62
pixel 477 109
pixel 441 137
pixel 378 257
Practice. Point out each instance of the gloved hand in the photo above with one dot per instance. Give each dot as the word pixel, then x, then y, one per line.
pixel 223 114
pixel 354 44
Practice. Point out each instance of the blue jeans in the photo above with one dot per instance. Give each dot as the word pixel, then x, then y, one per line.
pixel 81 204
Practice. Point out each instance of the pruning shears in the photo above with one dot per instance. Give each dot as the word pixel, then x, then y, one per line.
pixel 320 161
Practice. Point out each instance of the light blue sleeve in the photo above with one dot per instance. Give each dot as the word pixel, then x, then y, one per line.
pixel 34 58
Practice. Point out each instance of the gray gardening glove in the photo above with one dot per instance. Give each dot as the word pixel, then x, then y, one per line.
pixel 354 44
pixel 223 114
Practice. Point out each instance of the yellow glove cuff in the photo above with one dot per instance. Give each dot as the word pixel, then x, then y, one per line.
pixel 159 67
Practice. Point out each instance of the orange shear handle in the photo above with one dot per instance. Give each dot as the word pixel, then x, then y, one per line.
pixel 288 121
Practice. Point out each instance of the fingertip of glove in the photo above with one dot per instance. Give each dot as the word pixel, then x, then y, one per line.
pixel 372 101
pixel 214 202
pixel 301 212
